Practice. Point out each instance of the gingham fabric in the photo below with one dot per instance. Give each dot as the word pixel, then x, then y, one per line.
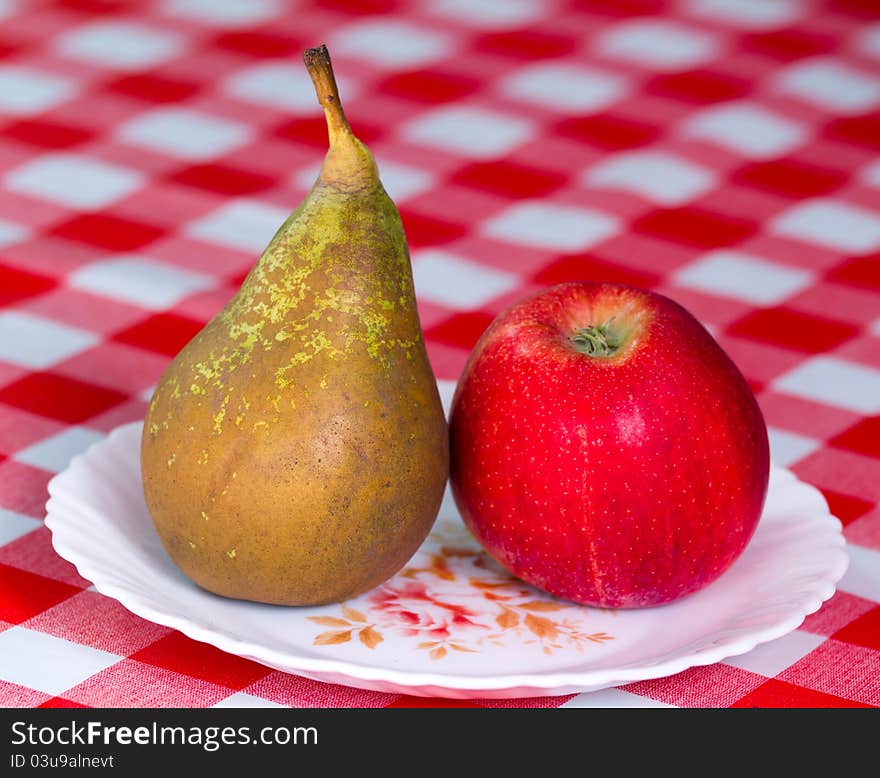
pixel 723 152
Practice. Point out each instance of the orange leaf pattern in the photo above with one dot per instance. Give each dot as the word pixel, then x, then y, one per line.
pixel 333 638
pixel 352 615
pixel 329 621
pixel 369 637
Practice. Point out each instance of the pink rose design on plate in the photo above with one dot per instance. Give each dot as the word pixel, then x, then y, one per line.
pixel 413 608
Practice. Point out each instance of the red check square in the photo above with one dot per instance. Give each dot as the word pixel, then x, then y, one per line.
pixel 695 227
pixel 462 330
pixel 23 594
pixel 313 132
pixel 57 397
pixel 166 333
pixel 46 134
pixel 61 702
pixel 863 631
pixel 586 268
pixel 846 507
pixel 526 44
pixel 153 88
pixel 793 329
pixel 779 694
pixel 790 178
pixel 608 132
pixel 698 86
pixel 106 231
pixel 509 179
pixel 858 271
pixel 429 86
pixel 17 284
pixel 181 654
pixel 257 43
pixel 861 130
pixel 224 179
pixel 431 702
pixel 863 437
pixel 788 44
pixel 424 230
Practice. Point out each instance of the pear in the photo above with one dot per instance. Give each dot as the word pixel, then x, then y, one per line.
pixel 295 451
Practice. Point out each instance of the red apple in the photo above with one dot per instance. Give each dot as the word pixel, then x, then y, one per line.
pixel 605 448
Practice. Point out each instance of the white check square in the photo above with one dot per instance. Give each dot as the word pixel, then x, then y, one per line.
pixel 613 698
pixel 830 223
pixel 281 87
pixel 184 133
pixel 245 225
pixel 862 577
pixel 748 14
pixel 386 42
pixel 786 447
pixel 120 45
pixel 555 227
pixel 770 659
pixel 54 453
pixel 10 232
pixel 834 382
pixel 455 282
pixel 871 174
pixel 52 665
pixel 25 91
pixel 15 525
pixel 35 342
pixel 657 44
pixel 228 13
pixel 73 180
pixel 476 133
pixel 663 178
pixel 404 181
pixel 746 129
pixel 742 277
pixel 565 88
pixel 830 85
pixel 488 14
pixel 868 40
pixel 146 282
pixel 245 700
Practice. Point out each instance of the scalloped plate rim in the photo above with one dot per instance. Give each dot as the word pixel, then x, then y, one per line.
pixel 545 683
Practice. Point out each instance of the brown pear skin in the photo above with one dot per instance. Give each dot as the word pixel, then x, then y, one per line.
pixel 295 452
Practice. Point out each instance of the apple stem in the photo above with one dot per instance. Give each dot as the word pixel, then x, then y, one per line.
pixel 597 340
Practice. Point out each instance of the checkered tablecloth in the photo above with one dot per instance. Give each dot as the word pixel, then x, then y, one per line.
pixel 723 152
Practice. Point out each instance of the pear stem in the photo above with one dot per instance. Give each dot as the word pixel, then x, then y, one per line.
pixel 320 68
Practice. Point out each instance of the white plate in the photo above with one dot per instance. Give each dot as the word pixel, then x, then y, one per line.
pixel 452 623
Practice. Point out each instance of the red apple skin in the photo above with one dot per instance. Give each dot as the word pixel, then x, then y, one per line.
pixel 624 481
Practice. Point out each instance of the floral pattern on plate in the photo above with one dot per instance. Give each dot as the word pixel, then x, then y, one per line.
pixel 454 597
